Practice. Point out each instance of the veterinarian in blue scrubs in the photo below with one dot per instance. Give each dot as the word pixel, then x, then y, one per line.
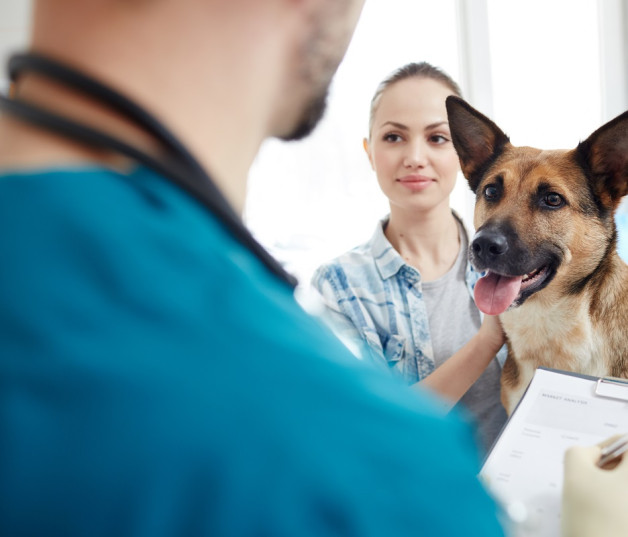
pixel 157 377
pixel 408 291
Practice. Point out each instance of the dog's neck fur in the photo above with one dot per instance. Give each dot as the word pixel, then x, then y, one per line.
pixel 572 332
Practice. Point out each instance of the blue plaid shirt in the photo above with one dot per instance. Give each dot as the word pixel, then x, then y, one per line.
pixel 373 295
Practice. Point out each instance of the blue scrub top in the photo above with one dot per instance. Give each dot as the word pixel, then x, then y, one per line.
pixel 157 380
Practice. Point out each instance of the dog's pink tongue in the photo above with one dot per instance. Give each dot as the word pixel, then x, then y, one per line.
pixel 494 293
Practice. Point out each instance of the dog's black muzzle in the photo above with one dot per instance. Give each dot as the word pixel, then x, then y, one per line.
pixel 497 247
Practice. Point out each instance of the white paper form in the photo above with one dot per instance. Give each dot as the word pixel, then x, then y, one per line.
pixel 524 470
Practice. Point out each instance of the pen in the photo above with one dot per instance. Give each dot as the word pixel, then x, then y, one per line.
pixel 613 451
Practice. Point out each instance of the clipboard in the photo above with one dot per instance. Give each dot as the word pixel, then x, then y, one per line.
pixel 524 468
pixel 613 388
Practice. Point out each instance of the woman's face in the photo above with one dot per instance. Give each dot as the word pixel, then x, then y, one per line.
pixel 410 146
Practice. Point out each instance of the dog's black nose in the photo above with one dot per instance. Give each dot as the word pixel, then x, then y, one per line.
pixel 489 244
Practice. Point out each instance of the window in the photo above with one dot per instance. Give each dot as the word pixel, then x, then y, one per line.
pixel 546 70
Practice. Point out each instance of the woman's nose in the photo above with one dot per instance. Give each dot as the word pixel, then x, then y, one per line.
pixel 415 155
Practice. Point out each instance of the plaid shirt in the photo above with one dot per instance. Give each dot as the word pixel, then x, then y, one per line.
pixel 372 295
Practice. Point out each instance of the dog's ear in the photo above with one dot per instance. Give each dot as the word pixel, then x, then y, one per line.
pixel 477 140
pixel 604 155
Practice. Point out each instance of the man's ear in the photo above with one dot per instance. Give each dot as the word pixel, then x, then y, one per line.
pixel 604 156
pixel 477 140
pixel 367 150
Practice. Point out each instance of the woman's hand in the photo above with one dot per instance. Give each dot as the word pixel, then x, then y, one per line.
pixel 453 378
pixel 492 333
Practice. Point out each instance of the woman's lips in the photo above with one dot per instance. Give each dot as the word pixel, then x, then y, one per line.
pixel 415 182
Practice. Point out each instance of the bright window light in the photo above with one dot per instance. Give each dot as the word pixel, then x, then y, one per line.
pixel 311 200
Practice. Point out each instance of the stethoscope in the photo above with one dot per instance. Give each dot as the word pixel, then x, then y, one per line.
pixel 179 166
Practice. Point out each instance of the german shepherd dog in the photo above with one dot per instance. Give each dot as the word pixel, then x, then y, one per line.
pixel 547 241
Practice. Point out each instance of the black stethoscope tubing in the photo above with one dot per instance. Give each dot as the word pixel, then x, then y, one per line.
pixel 181 167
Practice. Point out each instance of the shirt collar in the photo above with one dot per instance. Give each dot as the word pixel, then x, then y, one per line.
pixel 387 259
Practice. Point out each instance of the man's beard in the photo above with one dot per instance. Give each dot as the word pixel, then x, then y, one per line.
pixel 319 59
pixel 310 117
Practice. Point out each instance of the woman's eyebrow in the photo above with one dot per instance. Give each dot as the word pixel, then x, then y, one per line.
pixel 401 126
pixel 436 125
pixel 394 124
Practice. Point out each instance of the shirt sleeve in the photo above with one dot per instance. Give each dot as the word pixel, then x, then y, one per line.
pixel 361 339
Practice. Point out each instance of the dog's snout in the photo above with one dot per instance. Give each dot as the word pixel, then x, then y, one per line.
pixel 489 244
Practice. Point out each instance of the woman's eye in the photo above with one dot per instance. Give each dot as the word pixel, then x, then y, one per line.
pixel 392 137
pixel 554 200
pixel 439 139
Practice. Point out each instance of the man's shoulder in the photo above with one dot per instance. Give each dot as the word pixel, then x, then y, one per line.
pixel 100 210
pixel 128 253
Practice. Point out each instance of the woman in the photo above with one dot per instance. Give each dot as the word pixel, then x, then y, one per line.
pixel 407 292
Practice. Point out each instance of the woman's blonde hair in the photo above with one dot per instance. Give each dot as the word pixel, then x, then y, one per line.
pixel 411 70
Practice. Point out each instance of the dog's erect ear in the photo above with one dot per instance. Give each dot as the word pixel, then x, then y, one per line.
pixel 604 155
pixel 477 140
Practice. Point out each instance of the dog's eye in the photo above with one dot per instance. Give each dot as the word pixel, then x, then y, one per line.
pixel 491 192
pixel 553 200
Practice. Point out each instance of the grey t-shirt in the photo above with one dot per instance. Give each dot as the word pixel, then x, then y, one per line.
pixel 454 319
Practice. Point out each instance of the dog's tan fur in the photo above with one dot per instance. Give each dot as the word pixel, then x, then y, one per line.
pixel 579 320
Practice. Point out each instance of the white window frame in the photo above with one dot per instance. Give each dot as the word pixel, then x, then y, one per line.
pixel 613 31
